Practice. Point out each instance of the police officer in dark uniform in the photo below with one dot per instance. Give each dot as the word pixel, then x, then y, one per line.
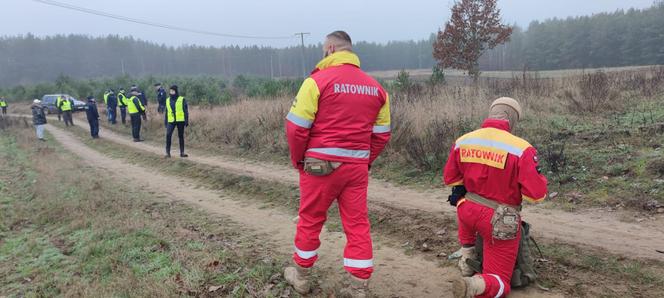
pixel 93 117
pixel 161 97
pixel 111 105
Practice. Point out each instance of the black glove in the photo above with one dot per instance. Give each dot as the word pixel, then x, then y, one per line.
pixel 458 192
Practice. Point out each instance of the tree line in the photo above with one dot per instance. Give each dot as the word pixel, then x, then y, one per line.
pixel 620 38
pixel 631 37
pixel 29 59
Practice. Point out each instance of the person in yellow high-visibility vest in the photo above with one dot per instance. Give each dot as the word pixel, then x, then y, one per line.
pixel 57 106
pixel 135 109
pixel 3 105
pixel 122 104
pixel 66 105
pixel 177 115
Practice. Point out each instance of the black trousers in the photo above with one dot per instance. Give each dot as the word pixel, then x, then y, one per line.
pixel 69 120
pixel 123 114
pixel 4 110
pixel 94 127
pixel 112 111
pixel 169 134
pixel 135 125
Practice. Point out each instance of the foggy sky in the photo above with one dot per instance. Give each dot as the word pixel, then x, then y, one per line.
pixel 377 21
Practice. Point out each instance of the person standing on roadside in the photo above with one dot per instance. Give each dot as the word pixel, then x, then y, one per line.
pixel 136 110
pixel 122 103
pixel 38 118
pixel 140 95
pixel 58 101
pixel 177 116
pixel 161 97
pixel 3 105
pixel 108 113
pixel 66 105
pixel 93 117
pixel 111 106
pixel 336 128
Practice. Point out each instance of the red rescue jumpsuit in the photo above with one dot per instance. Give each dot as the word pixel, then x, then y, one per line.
pixel 499 166
pixel 342 115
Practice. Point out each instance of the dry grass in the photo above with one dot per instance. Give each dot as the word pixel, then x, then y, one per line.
pixel 255 125
pixel 425 73
pixel 578 124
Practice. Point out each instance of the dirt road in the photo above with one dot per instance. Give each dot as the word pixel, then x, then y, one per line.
pixel 594 228
pixel 396 274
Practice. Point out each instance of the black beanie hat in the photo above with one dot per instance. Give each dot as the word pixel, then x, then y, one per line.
pixel 174 87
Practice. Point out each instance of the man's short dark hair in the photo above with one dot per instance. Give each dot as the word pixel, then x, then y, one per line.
pixel 341 35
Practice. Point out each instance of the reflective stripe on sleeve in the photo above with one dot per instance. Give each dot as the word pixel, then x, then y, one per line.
pixel 299 121
pixel 381 129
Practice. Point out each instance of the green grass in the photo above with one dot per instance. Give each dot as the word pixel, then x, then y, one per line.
pixel 566 263
pixel 64 231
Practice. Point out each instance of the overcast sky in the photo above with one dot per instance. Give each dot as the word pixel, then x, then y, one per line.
pixel 373 20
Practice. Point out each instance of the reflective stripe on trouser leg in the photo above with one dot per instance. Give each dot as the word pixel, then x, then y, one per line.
pixel 304 258
pixel 358 254
pixel 358 264
pixel 305 254
pixel 316 196
pixel 501 290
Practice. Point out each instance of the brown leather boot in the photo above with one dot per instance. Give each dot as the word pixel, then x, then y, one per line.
pixel 357 288
pixel 298 277
pixel 468 287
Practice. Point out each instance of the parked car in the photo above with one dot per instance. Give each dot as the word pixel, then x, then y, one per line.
pixel 48 101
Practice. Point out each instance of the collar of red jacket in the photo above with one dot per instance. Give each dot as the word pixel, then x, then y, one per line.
pixel 496 123
pixel 338 58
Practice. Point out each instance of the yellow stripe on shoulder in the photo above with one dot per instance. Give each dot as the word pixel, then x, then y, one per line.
pixel 383 118
pixel 305 105
pixel 494 138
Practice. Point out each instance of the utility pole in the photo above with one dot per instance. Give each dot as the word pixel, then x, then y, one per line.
pixel 304 68
pixel 271 65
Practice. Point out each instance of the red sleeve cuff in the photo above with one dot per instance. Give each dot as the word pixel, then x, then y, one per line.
pixel 456 183
pixel 532 200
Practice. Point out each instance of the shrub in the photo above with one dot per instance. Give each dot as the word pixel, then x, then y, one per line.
pixel 594 91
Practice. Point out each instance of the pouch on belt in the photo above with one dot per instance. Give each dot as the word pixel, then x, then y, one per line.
pixel 319 167
pixel 506 219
